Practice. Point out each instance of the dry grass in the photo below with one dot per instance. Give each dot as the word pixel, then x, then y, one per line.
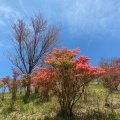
pixel 94 109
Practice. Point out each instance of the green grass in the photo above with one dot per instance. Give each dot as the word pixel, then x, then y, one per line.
pixel 116 92
pixel 36 109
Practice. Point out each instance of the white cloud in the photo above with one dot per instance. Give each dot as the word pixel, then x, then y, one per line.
pixel 2 23
pixel 7 14
pixel 22 6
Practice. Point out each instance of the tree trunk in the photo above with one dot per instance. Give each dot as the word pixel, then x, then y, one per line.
pixel 36 90
pixel 106 100
pixel 14 90
pixel 45 96
pixel 66 111
pixel 3 91
pixel 27 94
pixel 28 91
pixel 66 108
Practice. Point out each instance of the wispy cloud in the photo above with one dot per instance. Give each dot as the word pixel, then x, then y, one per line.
pixel 7 14
pixel 22 6
pixel 2 23
pixel 77 16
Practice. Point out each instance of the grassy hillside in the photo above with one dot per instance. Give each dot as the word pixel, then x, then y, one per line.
pixel 36 109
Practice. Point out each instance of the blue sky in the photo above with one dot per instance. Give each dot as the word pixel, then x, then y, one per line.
pixel 91 25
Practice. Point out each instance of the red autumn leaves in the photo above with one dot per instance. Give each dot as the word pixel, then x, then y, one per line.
pixel 66 76
pixel 63 61
pixel 43 77
pixel 111 78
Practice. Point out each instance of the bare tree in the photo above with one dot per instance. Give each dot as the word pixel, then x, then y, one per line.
pixel 13 87
pixel 32 39
pixel 110 79
pixel 106 62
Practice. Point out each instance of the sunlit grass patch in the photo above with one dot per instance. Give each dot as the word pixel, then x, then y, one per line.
pixel 36 109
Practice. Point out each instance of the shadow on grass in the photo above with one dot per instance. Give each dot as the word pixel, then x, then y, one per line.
pixel 36 98
pixel 97 115
pixel 94 115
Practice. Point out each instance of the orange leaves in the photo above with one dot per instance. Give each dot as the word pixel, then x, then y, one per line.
pixel 5 80
pixel 43 77
pixel 43 88
pixel 60 56
pixel 82 63
pixel 97 70
pixel 83 60
pixel 112 75
pixel 62 67
pixel 64 52
pixel 83 66
pixel 43 74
